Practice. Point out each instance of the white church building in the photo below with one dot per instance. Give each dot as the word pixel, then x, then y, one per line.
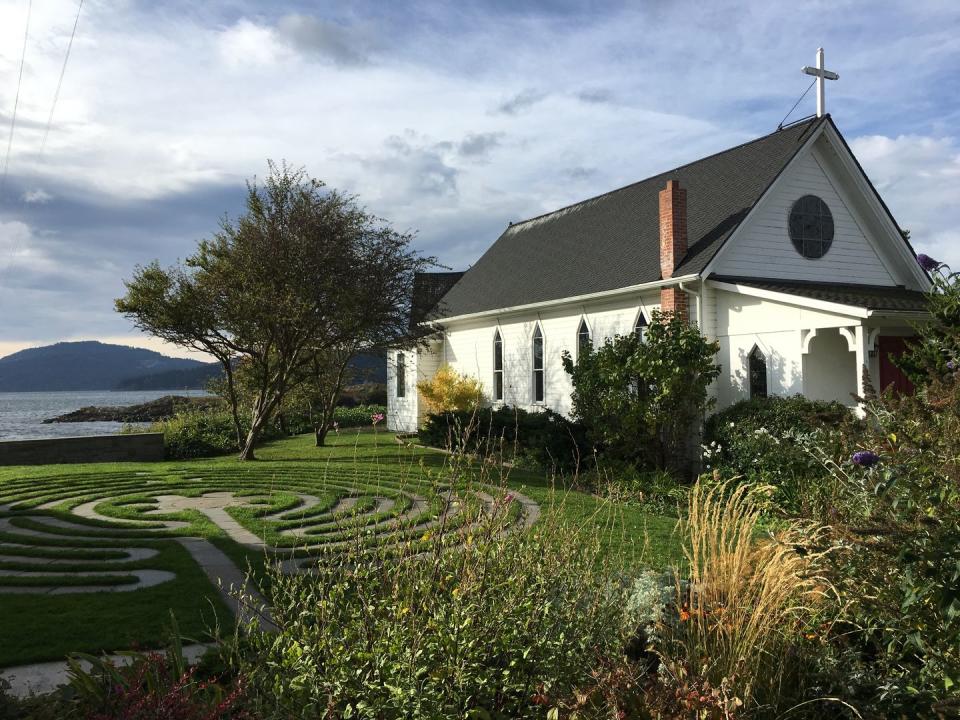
pixel 780 249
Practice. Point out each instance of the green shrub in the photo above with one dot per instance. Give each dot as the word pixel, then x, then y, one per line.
pixel 508 625
pixel 346 417
pixel 657 491
pixel 752 440
pixel 197 434
pixel 641 398
pixel 895 514
pixel 542 439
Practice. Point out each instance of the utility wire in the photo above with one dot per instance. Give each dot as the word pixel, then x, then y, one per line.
pixel 63 70
pixel 16 99
pixel 780 126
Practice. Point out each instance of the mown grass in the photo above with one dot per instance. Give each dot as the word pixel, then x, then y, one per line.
pixel 41 627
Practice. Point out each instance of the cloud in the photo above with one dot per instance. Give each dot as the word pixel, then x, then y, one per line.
pixel 919 177
pixel 248 44
pixel 344 45
pixel 523 100
pixel 579 173
pixel 163 115
pixel 477 145
pixel 39 195
pixel 596 95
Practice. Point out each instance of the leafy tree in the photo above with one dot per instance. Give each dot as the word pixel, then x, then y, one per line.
pixel 323 379
pixel 176 305
pixel 937 349
pixel 640 398
pixel 304 271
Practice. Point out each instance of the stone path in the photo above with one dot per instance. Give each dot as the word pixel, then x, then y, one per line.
pixel 45 677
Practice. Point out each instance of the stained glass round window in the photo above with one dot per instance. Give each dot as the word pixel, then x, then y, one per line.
pixel 811 226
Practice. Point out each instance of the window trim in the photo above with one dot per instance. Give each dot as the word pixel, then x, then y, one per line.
pixel 580 344
pixel 757 354
pixel 641 315
pixel 497 372
pixel 799 240
pixel 400 376
pixel 538 336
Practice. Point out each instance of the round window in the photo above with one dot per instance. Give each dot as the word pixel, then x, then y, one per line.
pixel 811 226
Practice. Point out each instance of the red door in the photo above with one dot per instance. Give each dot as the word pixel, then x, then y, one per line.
pixel 890 374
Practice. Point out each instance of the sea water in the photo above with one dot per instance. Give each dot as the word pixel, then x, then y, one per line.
pixel 22 414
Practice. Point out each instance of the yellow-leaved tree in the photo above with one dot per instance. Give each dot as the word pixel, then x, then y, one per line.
pixel 449 391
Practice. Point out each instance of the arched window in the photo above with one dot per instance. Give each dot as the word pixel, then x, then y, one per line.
pixel 640 328
pixel 537 364
pixel 758 373
pixel 401 375
pixel 584 343
pixel 497 366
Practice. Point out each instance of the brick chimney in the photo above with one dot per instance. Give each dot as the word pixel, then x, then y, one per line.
pixel 673 246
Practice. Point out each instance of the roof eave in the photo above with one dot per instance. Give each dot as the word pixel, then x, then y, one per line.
pixel 560 302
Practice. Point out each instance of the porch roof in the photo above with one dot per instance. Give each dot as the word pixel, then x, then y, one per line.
pixel 870 297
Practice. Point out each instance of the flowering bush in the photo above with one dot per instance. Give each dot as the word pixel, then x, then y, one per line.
pixel 895 517
pixel 449 391
pixel 754 440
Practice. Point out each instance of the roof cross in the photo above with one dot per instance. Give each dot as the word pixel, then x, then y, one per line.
pixel 821 74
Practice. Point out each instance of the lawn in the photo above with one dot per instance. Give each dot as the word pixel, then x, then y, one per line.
pixel 297 497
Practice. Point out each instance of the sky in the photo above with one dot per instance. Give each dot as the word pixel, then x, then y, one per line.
pixel 448 119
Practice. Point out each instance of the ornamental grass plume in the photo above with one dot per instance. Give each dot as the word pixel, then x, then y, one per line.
pixel 747 604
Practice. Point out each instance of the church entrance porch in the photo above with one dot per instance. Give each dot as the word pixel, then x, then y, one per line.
pixel 839 361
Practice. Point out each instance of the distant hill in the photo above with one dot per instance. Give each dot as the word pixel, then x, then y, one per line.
pixel 92 365
pixel 87 365
pixel 189 379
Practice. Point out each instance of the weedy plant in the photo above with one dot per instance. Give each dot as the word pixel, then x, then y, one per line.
pixel 486 618
pixel 745 610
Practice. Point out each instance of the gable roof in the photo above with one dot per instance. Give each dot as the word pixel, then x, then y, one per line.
pixel 612 241
pixel 428 288
pixel 871 297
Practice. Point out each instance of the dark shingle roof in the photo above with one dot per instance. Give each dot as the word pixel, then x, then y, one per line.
pixel 612 241
pixel 871 297
pixel 428 288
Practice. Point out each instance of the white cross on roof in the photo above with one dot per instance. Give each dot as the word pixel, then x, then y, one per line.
pixel 821 74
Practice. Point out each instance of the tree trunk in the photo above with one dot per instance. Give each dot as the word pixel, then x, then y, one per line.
pixel 234 401
pixel 247 452
pixel 321 434
pixel 259 419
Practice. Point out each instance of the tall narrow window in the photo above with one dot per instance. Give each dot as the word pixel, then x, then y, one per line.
pixel 584 344
pixel 537 365
pixel 758 374
pixel 401 375
pixel 497 366
pixel 641 327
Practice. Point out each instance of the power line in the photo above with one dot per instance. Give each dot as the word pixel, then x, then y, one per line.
pixel 16 99
pixel 780 126
pixel 63 70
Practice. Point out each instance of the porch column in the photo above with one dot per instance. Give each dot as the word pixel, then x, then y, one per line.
pixel 862 348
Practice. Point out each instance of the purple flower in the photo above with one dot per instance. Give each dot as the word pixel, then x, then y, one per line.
pixel 927 262
pixel 951 365
pixel 865 458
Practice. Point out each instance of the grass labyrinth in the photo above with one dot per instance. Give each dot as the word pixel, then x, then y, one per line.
pixel 95 557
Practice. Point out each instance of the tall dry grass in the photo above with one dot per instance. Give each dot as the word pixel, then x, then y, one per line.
pixel 749 602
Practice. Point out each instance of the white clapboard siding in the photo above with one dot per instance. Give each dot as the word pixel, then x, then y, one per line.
pixel 762 247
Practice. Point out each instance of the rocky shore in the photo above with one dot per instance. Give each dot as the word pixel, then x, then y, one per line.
pixel 159 409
